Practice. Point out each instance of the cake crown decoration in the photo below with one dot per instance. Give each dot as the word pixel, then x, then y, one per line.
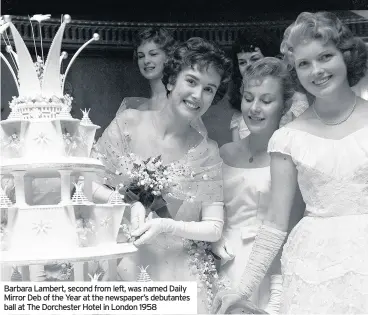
pixel 40 78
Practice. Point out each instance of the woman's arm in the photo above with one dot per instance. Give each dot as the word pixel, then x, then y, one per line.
pixel 208 229
pixel 271 234
pixel 276 289
pixel 235 134
pixel 283 189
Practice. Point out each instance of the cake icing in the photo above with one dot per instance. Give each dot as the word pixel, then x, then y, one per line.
pixel 44 147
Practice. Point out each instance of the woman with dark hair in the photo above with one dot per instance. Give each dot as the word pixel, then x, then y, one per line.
pixel 151 50
pixel 325 153
pixel 194 75
pixel 251 46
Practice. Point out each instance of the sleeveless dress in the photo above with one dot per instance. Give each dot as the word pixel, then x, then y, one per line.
pixel 198 180
pixel 325 259
pixel 246 198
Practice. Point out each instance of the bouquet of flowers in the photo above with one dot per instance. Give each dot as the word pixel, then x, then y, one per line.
pixel 149 180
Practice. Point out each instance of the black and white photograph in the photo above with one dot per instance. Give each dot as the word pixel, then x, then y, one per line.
pixel 184 157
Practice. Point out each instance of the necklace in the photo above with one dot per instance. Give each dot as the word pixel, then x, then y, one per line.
pixel 338 122
pixel 252 156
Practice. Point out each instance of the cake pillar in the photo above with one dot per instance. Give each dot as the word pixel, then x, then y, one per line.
pixel 20 199
pixel 65 186
pixel 89 177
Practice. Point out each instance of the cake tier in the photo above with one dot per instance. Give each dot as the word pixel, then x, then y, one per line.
pixel 44 228
pixel 52 137
pixel 44 164
pixel 40 107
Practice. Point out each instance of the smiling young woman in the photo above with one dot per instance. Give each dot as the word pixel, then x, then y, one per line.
pixel 194 75
pixel 267 92
pixel 324 152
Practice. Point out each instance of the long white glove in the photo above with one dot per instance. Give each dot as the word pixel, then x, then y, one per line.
pixel 273 306
pixel 266 246
pixel 223 250
pixel 209 229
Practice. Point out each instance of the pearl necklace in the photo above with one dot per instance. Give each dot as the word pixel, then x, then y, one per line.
pixel 333 123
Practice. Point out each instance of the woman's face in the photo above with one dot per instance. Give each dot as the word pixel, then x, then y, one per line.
pixel 262 104
pixel 194 90
pixel 320 67
pixel 245 59
pixel 151 59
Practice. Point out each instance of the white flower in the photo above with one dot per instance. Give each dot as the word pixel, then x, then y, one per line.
pixel 151 167
pixel 40 17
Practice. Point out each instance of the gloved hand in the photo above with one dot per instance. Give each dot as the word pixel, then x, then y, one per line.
pixel 208 230
pixel 267 244
pixel 273 306
pixel 151 228
pixel 222 249
pixel 223 300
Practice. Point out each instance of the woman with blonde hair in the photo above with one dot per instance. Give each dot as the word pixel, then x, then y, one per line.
pixel 267 94
pixel 325 152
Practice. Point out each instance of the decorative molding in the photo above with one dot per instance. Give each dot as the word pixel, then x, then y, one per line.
pixel 117 36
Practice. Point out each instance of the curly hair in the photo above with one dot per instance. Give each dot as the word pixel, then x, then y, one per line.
pixel 160 36
pixel 276 68
pixel 327 27
pixel 202 53
pixel 247 41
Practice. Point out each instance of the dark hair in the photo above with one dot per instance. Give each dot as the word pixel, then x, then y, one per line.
pixel 247 41
pixel 202 53
pixel 160 36
pixel 273 67
pixel 325 26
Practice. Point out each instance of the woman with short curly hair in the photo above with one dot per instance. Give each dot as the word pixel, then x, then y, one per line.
pixel 267 92
pixel 251 46
pixel 325 153
pixel 193 76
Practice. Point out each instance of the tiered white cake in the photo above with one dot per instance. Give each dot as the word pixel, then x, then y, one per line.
pixel 42 145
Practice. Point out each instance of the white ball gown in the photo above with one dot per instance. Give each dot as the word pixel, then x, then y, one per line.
pixel 168 256
pixel 325 259
pixel 246 198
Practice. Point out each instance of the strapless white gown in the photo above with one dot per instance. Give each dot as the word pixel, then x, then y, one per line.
pixel 246 198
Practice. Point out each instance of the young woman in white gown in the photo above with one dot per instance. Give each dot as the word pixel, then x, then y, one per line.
pixel 152 48
pixel 194 74
pixel 267 94
pixel 251 46
pixel 325 151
